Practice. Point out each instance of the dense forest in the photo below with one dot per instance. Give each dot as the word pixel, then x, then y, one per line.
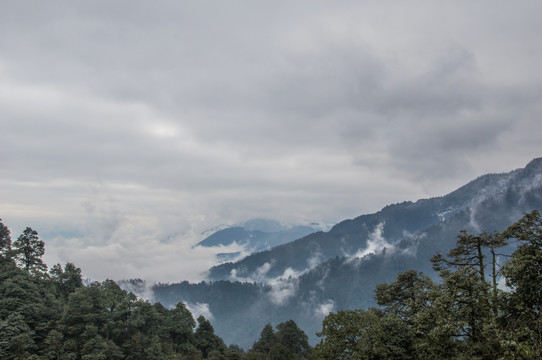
pixel 51 314
pixel 484 305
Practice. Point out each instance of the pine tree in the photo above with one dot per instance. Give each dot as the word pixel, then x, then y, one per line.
pixel 5 243
pixel 28 251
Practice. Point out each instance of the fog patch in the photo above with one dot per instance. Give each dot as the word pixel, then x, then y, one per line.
pixel 325 308
pixel 200 309
pixel 283 287
pixel 376 243
pixel 140 288
pixel 262 271
pixel 472 220
pixel 315 259
pixel 140 246
pixel 321 282
pixel 259 276
pixel 411 243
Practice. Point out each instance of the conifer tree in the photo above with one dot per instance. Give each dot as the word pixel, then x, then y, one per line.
pixel 28 251
pixel 5 242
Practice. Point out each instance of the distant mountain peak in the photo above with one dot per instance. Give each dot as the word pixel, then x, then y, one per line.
pixel 255 235
pixel 265 225
pixel 536 163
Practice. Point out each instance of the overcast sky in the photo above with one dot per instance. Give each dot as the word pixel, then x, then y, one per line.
pixel 129 127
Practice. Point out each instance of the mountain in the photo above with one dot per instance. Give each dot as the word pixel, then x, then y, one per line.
pixel 256 235
pixel 327 271
pixel 396 222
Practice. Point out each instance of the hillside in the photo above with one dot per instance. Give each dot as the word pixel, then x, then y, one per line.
pixel 398 222
pixel 327 271
pixel 255 235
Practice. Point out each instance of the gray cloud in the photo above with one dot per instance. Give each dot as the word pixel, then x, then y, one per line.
pixel 127 129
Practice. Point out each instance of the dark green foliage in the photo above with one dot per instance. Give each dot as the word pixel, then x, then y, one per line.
pixel 288 342
pixel 16 338
pixel 359 334
pixel 205 339
pixel 5 243
pixel 293 338
pixel 66 280
pixel 409 295
pixel 28 250
pixel 266 340
pixel 523 273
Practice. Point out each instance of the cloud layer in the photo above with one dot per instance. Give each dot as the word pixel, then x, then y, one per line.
pixel 129 128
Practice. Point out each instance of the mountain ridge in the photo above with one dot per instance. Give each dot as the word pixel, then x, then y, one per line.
pixel 339 269
pixel 253 240
pixel 400 219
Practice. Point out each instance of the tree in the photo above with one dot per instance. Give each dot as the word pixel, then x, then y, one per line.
pixel 53 344
pixel 96 347
pixel 16 338
pixel 288 342
pixel 360 334
pixel 280 352
pixel 205 339
pixel 5 242
pixel 293 338
pixel 523 274
pixel 153 351
pixel 468 295
pixel 410 294
pixel 30 299
pixel 524 269
pixel 28 250
pixel 266 340
pixel 66 280
pixel 117 305
pixel 83 308
pixel 180 325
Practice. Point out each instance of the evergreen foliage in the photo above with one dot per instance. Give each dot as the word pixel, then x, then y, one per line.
pixel 28 251
pixel 288 342
pixel 5 242
pixel 52 315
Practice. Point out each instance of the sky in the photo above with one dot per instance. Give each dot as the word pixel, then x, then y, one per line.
pixel 128 128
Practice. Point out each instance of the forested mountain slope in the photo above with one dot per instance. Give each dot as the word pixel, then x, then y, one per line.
pixel 323 272
pixel 395 223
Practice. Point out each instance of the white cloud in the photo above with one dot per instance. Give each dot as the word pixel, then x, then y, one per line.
pixel 142 289
pixel 325 308
pixel 283 287
pixel 199 309
pixel 376 243
pixel 315 259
